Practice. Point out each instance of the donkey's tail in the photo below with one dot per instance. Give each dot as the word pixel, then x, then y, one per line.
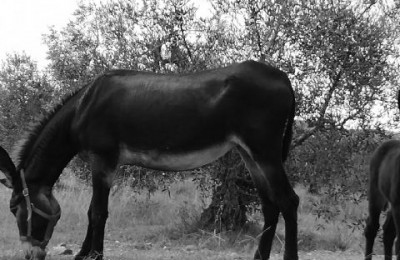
pixel 287 138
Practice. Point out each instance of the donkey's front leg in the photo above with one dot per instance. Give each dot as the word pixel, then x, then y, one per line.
pixel 102 179
pixel 87 243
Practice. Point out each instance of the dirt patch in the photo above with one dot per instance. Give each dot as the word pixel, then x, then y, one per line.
pixel 146 251
pixel 115 250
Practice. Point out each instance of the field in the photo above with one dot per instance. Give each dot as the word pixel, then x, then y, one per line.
pixel 163 226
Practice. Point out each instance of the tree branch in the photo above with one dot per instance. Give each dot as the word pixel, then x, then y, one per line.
pixel 300 140
pixel 320 121
pixel 185 42
pixel 253 15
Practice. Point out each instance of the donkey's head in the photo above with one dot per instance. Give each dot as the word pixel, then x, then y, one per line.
pixel 34 207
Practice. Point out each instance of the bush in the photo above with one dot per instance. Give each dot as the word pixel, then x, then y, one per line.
pixel 335 165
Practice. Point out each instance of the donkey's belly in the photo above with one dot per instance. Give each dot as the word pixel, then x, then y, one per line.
pixel 168 160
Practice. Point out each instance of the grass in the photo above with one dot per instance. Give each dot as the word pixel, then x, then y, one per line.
pixel 337 230
pixel 152 227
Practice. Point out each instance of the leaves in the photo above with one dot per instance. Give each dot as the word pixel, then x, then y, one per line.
pixel 346 60
pixel 25 95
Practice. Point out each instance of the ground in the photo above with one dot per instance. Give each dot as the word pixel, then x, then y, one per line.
pixel 116 250
pixel 121 251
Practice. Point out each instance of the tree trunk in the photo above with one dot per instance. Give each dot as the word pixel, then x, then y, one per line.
pixel 231 198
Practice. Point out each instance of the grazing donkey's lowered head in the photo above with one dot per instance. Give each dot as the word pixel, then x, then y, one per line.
pixel 35 209
pixel 41 156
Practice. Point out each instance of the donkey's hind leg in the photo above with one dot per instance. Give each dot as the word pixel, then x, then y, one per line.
pixel 269 209
pixel 276 196
pixel 389 234
pixel 372 225
pixel 396 219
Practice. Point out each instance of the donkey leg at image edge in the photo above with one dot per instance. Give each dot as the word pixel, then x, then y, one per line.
pixel 276 196
pixel 389 234
pixel 92 247
pixel 396 219
pixel 371 229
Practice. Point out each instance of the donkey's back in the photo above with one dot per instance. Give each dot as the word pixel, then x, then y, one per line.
pixel 152 119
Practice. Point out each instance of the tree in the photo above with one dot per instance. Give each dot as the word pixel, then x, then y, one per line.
pixel 342 63
pixel 151 35
pixel 25 95
pixel 346 70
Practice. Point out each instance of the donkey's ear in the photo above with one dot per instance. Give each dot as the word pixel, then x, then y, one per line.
pixel 7 167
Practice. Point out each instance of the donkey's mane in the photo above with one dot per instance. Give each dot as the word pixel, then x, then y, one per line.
pixel 23 148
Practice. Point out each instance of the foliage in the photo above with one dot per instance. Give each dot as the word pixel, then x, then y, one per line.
pixel 335 158
pixel 25 95
pixel 343 64
pixel 335 165
pixel 161 36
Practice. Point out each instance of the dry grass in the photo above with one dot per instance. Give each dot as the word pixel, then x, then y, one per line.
pixel 143 227
pixel 339 232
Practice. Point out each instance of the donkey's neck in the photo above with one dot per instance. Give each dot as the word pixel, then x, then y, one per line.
pixel 51 154
pixel 50 147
